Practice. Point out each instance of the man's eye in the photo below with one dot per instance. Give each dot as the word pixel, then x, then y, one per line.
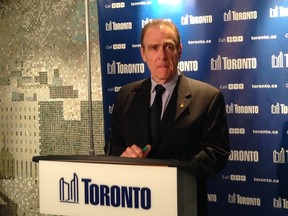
pixel 153 48
pixel 170 47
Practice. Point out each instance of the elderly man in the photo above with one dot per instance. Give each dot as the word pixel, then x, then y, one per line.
pixel 190 121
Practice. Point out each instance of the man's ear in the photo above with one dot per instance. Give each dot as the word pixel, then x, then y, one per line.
pixel 142 54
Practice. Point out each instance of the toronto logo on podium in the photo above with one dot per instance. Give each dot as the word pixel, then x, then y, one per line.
pixel 69 191
pixel 104 195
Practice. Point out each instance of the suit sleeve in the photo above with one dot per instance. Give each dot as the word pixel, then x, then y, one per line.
pixel 116 141
pixel 215 140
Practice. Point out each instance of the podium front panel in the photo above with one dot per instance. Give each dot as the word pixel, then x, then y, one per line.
pixel 73 188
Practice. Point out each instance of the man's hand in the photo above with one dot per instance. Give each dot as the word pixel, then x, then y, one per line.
pixel 135 151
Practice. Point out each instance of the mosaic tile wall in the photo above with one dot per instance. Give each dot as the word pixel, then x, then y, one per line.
pixel 43 92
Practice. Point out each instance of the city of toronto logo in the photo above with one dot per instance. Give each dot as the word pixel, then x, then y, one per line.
pixel 69 191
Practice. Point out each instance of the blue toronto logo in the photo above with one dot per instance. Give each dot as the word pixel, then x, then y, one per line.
pixel 104 195
pixel 69 191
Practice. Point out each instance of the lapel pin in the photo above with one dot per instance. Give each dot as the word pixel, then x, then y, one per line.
pixel 182 105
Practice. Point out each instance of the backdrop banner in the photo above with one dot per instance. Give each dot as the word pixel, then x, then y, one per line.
pixel 240 47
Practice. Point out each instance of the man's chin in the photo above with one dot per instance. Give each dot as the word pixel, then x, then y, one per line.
pixel 164 76
pixel 163 71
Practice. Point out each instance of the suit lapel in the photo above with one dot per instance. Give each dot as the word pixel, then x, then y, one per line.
pixel 138 120
pixel 184 96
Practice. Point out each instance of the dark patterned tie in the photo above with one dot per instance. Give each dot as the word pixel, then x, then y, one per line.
pixel 155 112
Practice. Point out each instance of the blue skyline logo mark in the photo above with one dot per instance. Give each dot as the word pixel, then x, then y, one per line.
pixel 69 191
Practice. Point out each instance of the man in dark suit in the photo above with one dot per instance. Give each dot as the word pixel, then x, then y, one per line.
pixel 193 122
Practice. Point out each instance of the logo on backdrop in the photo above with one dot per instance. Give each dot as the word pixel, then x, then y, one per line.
pixel 279 108
pixel 120 68
pixel 235 177
pixel 114 89
pixel 232 39
pixel 233 64
pixel 116 46
pixel 141 3
pixel 188 66
pixel 240 200
pixel 280 156
pixel 147 20
pixel 115 5
pixel 212 197
pixel 240 109
pixel 237 131
pixel 69 191
pixel 280 203
pixel 244 156
pixel 113 26
pixel 110 108
pixel 279 61
pixel 233 86
pixel 192 20
pixel 278 12
pixel 236 16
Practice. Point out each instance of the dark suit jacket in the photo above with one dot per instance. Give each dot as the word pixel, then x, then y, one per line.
pixel 193 127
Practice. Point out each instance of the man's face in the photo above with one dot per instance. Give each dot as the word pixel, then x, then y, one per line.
pixel 160 53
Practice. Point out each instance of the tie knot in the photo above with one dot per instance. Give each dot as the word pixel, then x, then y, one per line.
pixel 159 89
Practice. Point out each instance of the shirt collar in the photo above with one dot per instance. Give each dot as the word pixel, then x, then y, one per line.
pixel 169 86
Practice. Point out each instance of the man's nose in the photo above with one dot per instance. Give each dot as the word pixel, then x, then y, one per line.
pixel 162 53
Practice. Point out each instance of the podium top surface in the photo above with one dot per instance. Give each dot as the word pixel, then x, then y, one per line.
pixel 188 166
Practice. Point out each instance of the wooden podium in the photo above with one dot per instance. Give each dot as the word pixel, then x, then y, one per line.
pixel 114 186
